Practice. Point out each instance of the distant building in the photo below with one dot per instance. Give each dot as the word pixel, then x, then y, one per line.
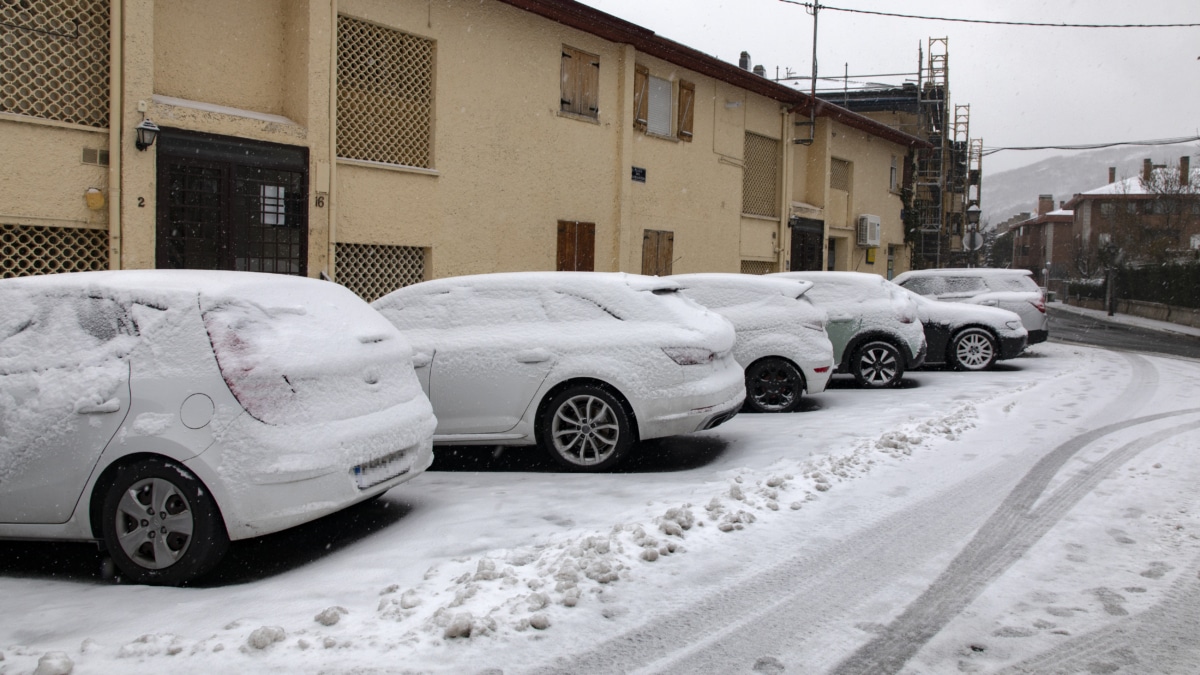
pixel 1042 244
pixel 1154 217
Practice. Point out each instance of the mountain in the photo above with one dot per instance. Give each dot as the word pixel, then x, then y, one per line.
pixel 1008 193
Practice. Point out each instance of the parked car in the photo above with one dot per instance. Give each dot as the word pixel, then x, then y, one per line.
pixel 873 325
pixel 781 341
pixel 583 364
pixel 969 337
pixel 166 413
pixel 1014 290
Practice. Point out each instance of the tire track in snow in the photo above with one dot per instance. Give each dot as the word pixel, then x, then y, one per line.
pixel 1009 533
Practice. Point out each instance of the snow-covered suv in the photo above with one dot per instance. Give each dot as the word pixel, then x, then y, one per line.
pixel 1014 290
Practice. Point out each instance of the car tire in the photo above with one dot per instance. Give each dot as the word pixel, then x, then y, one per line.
pixel 773 385
pixel 183 540
pixel 973 349
pixel 877 364
pixel 586 428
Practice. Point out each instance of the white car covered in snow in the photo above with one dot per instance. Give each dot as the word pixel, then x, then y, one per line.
pixel 165 413
pixel 584 364
pixel 781 340
pixel 874 325
pixel 1011 289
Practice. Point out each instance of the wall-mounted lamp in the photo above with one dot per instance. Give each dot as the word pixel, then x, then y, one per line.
pixel 147 132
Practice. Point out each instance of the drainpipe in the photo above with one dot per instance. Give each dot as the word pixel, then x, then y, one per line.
pixel 785 194
pixel 331 198
pixel 115 128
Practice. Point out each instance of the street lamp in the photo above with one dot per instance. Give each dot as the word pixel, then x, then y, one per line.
pixel 973 215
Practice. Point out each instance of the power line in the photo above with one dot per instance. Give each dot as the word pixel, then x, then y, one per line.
pixel 1095 146
pixel 1034 24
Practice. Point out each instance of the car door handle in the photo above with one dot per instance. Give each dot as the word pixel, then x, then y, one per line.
pixel 534 356
pixel 422 359
pixel 112 405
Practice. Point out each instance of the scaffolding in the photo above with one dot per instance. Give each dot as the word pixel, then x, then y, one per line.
pixel 933 94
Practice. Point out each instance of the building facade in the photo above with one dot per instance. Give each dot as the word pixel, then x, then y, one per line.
pixel 380 143
pixel 1043 245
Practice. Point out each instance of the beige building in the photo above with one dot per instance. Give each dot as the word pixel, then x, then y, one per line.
pixel 380 142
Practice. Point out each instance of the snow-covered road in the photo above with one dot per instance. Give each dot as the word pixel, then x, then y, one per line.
pixel 1041 517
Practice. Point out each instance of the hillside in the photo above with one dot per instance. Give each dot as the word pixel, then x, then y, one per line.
pixel 1008 193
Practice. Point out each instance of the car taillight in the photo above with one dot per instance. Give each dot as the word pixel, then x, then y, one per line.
pixel 821 369
pixel 1040 304
pixel 690 356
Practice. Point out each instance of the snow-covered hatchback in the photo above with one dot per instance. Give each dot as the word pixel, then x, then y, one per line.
pixel 583 363
pixel 781 340
pixel 166 413
pixel 1014 290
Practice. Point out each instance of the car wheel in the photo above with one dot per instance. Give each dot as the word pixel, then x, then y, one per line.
pixel 585 428
pixel 773 385
pixel 877 364
pixel 973 349
pixel 160 525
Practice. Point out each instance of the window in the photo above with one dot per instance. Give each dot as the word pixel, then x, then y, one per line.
pixel 652 105
pixel 580 83
pixel 576 246
pixel 55 55
pixel 374 270
pixel 658 250
pixel 659 94
pixel 1194 242
pixel 1108 209
pixel 384 95
pixel 839 174
pixel 760 178
pixel 893 183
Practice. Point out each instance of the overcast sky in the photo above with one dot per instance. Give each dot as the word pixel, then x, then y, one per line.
pixel 1026 86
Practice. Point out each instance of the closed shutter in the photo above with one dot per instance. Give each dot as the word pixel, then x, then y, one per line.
pixel 641 97
pixel 576 246
pixel 570 84
pixel 658 247
pixel 687 100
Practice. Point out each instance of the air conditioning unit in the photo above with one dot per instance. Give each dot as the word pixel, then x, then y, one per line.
pixel 868 231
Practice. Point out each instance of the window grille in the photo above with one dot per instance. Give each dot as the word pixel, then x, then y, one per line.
pixel 27 250
pixel 372 271
pixel 385 94
pixel 760 179
pixel 54 60
pixel 758 267
pixel 839 174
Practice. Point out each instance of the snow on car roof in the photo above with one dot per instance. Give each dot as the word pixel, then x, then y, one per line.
pixel 792 288
pixel 147 284
pixel 961 271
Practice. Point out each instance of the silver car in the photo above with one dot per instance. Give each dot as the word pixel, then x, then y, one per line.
pixel 781 340
pixel 583 364
pixel 1014 290
pixel 166 413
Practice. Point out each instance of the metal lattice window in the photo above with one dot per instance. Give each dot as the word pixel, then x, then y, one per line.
pixel 758 267
pixel 54 60
pixel 372 271
pixel 839 174
pixel 384 94
pixel 27 250
pixel 760 179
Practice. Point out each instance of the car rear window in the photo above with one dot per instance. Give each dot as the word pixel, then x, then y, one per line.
pixel 964 285
pixel 303 353
pixel 1012 282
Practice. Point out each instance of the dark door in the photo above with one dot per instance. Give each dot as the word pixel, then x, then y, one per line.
pixel 231 204
pixel 808 240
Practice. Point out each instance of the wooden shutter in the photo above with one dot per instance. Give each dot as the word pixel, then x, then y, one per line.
pixel 570 80
pixel 687 101
pixel 641 97
pixel 576 246
pixel 590 89
pixel 658 248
